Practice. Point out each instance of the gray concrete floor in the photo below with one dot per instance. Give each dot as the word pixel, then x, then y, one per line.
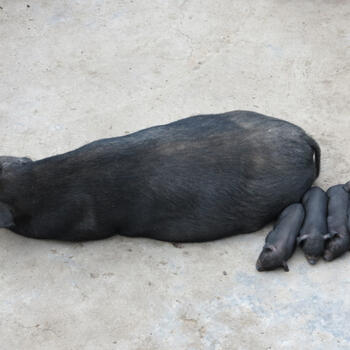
pixel 75 71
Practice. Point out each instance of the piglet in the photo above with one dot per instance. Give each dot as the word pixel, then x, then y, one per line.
pixel 280 243
pixel 314 231
pixel 337 219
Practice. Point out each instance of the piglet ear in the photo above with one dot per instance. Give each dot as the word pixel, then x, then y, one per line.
pixel 302 238
pixel 285 266
pixel 6 218
pixel 269 247
pixel 329 236
pixel 332 235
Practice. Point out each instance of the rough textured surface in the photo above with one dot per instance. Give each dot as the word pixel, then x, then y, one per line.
pixel 75 71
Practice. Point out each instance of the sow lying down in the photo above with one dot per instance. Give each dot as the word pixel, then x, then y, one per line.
pixel 197 179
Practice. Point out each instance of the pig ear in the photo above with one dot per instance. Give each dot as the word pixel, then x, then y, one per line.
pixel 329 236
pixel 269 247
pixel 285 266
pixel 332 235
pixel 6 218
pixel 302 238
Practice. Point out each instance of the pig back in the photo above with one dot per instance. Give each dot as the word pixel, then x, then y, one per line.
pixel 213 176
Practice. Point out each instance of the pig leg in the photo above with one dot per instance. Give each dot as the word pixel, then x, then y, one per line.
pixel 70 220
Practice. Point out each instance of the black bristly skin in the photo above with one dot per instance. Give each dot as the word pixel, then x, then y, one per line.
pixel 337 220
pixel 347 189
pixel 197 179
pixel 280 243
pixel 314 231
pixel 6 220
pixel 349 214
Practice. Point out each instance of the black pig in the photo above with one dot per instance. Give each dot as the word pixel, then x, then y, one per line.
pixel 337 219
pixel 281 241
pixel 314 231
pixel 197 179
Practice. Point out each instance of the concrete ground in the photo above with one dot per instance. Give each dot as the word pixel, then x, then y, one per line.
pixel 77 70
